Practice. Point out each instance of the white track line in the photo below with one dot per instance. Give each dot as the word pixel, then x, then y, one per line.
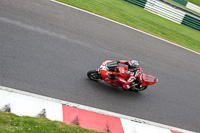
pixel 124 25
pixel 94 109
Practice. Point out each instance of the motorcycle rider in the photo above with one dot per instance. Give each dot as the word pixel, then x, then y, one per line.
pixel 135 74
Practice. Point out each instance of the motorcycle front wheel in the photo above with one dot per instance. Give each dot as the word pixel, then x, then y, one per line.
pixel 142 88
pixel 137 88
pixel 94 75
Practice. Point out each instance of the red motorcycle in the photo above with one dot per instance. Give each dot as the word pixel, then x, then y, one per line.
pixel 109 69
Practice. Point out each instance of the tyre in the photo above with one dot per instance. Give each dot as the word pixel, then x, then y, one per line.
pixel 141 88
pixel 138 88
pixel 94 75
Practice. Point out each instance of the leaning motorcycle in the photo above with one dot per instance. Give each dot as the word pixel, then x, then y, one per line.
pixel 109 69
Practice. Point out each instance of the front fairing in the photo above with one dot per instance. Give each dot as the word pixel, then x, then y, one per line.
pixel 148 79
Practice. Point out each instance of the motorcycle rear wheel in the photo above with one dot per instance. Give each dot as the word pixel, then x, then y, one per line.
pixel 94 75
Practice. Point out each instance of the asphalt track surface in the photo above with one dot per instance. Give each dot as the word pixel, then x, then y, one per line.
pixel 47 49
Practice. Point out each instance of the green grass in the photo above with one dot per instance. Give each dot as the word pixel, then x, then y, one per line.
pixel 139 18
pixel 11 123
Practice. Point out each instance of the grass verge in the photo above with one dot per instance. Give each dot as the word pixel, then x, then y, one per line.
pixel 11 123
pixel 139 18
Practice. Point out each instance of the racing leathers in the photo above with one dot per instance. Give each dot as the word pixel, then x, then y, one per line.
pixel 135 76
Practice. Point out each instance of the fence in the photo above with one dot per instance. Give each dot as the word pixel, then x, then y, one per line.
pixel 140 3
pixel 182 2
pixel 188 5
pixel 164 10
pixel 169 12
pixel 193 7
pixel 192 22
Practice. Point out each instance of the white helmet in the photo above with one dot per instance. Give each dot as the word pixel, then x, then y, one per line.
pixel 133 65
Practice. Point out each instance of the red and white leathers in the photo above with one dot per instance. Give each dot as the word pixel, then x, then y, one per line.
pixel 135 75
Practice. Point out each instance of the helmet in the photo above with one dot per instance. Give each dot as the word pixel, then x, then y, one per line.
pixel 133 65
